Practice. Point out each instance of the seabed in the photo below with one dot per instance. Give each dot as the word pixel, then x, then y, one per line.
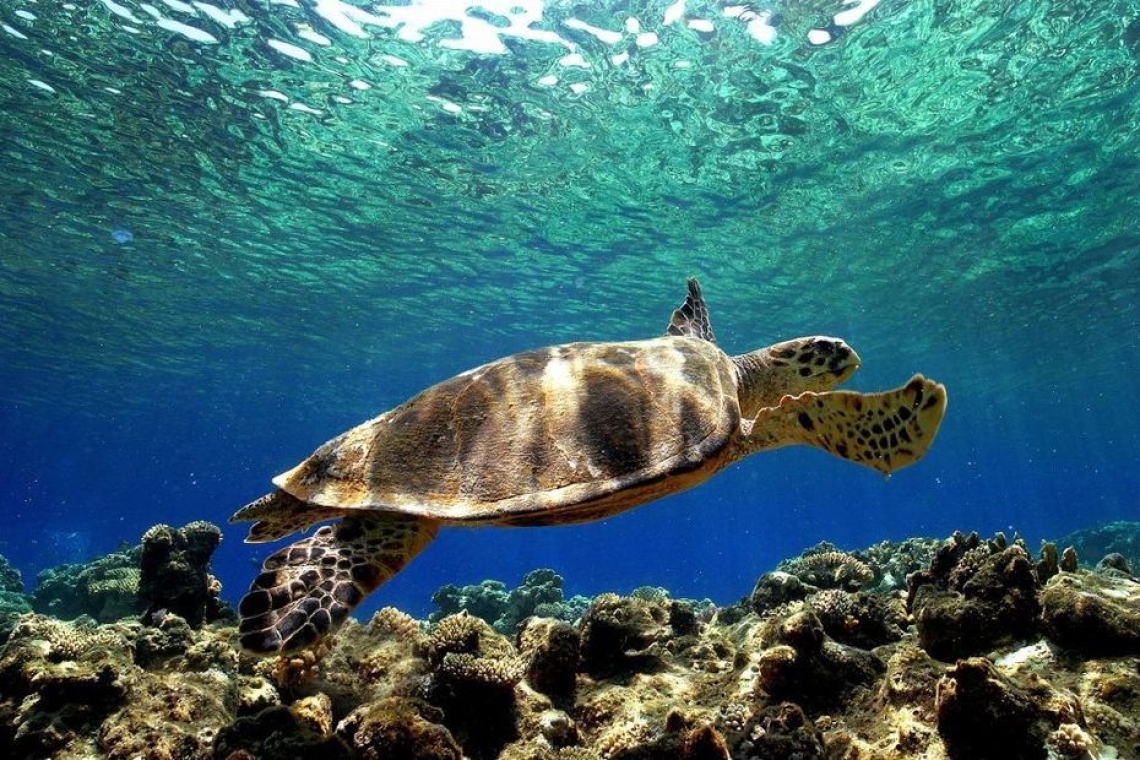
pixel 957 648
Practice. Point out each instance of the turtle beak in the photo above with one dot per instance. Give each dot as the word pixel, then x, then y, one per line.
pixel 840 360
pixel 817 363
pixel 829 361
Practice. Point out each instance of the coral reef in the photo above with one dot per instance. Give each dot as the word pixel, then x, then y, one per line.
pixel 802 671
pixel 12 605
pixel 474 671
pixel 1092 614
pixel 892 561
pixel 13 602
pixel 540 594
pixel 825 566
pixel 10 579
pixel 175 573
pixel 1121 537
pixel 105 589
pixel 167 573
pixel 468 654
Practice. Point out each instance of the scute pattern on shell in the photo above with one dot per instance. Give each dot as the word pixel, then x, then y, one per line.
pixel 560 434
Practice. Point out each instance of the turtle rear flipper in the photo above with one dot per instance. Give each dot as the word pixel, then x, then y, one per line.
pixel 884 431
pixel 691 318
pixel 306 590
pixel 280 513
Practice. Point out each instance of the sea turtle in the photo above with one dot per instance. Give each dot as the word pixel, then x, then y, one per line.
pixel 553 436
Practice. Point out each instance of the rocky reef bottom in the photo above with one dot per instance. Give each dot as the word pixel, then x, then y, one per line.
pixel 960 648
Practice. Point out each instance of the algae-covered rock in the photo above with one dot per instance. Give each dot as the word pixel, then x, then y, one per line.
pixel 168 717
pixel 551 649
pixel 982 716
pixel 911 678
pixel 526 750
pixel 63 680
pixel 861 619
pixel 775 589
pixel 778 732
pixel 1092 614
pixel 684 734
pixel 973 597
pixel 558 729
pixel 1110 701
pixel 169 636
pixel 398 728
pixel 277 732
pixel 1115 565
pixel 315 713
pixel 807 667
pixel 254 694
pixel 624 635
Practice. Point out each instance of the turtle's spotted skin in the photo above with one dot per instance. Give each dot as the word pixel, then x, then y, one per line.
pixel 557 435
pixel 307 589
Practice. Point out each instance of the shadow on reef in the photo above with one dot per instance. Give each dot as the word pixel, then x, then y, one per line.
pixel 964 648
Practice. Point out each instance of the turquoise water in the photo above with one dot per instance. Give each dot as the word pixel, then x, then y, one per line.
pixel 230 231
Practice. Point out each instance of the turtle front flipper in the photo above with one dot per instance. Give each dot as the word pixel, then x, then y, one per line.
pixel 306 590
pixel 884 431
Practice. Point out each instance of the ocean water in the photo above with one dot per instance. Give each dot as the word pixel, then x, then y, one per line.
pixel 229 231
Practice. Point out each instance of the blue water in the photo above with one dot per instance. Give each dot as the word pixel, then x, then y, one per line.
pixel 1042 461
pixel 951 190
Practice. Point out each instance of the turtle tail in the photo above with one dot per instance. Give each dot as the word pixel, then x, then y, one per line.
pixel 306 590
pixel 884 431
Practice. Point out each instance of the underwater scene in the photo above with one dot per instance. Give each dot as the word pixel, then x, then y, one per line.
pixel 592 380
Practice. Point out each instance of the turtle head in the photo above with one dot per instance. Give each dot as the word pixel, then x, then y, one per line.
pixel 816 363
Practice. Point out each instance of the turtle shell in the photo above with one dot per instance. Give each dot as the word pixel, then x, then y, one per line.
pixel 555 435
